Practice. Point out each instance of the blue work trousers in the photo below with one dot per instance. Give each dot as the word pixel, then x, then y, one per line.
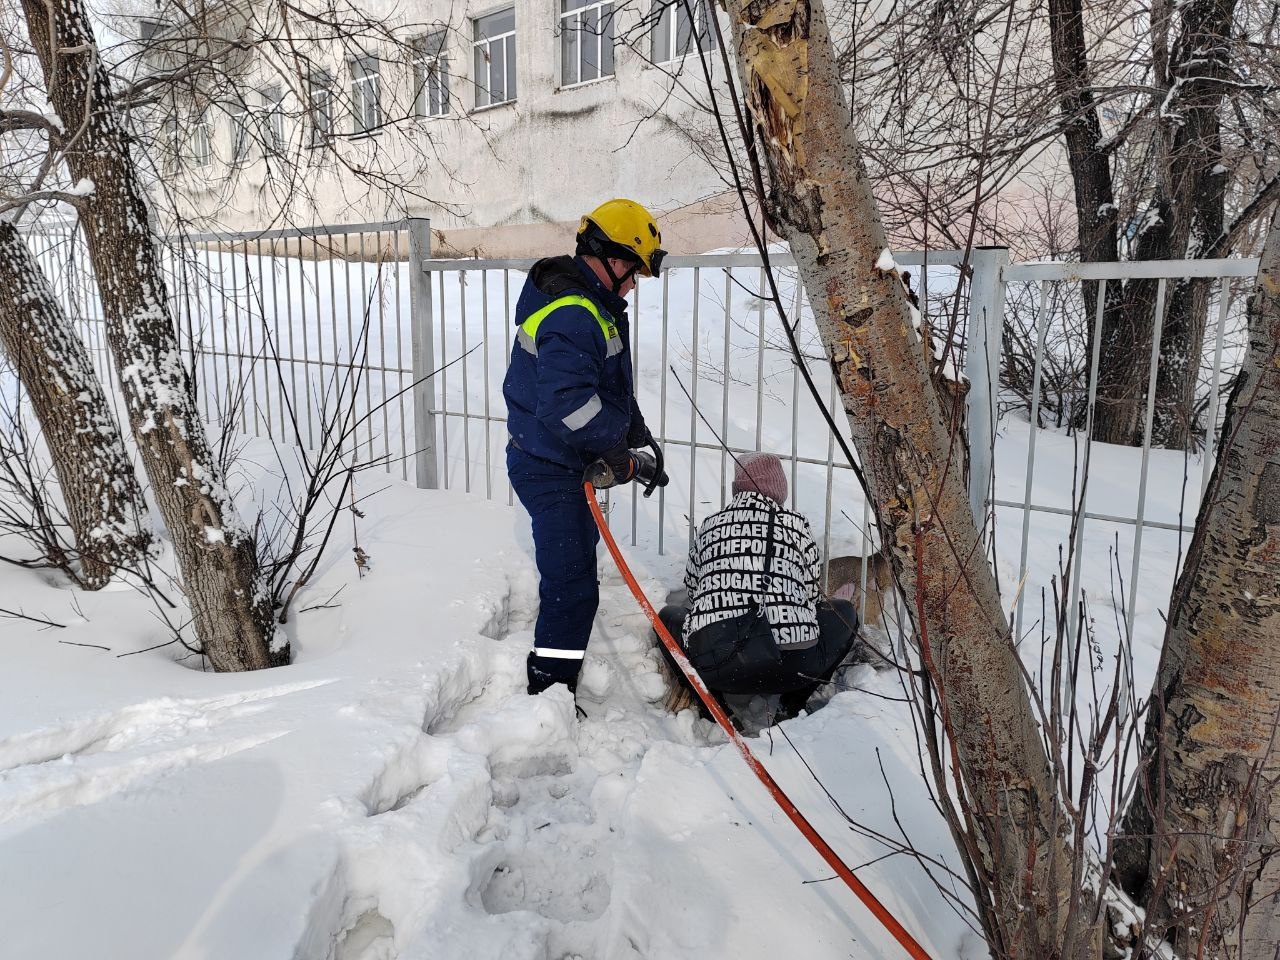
pixel 564 540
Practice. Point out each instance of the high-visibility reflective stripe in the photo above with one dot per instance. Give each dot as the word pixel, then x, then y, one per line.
pixel 584 414
pixel 527 342
pixel 555 654
pixel 527 334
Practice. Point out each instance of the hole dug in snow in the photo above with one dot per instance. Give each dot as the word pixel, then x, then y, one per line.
pixel 557 859
pixel 537 884
pixel 370 937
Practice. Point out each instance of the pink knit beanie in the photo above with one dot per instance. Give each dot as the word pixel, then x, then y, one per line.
pixel 763 473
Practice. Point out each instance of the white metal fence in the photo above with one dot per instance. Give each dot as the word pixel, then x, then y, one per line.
pixel 279 324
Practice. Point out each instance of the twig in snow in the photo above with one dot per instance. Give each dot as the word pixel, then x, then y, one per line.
pixel 19 615
pixel 328 603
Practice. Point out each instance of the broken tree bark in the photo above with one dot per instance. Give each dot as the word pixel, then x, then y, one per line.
pixel 820 201
pixel 1203 833
pixel 104 502
pixel 216 552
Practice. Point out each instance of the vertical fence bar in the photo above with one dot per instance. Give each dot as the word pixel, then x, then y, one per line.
pixel 241 391
pixel 400 387
pixel 507 318
pixel 209 353
pixel 247 320
pixel 225 391
pixel 251 320
pixel 693 409
pixel 794 320
pixel 982 367
pixel 1146 458
pixel 257 314
pixel 235 390
pixel 293 350
pixel 1077 542
pixel 370 306
pixel 831 462
pixel 332 384
pixel 183 297
pixel 1211 420
pixel 488 432
pixel 662 406
pixel 1042 323
pixel 724 399
pixel 302 404
pixel 208 328
pixel 867 556
pixel 384 402
pixel 197 315
pixel 350 378
pixel 760 303
pixel 443 366
pixel 423 332
pixel 183 310
pixel 466 390
pixel 635 389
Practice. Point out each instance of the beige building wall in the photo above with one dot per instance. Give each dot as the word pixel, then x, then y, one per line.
pixel 501 181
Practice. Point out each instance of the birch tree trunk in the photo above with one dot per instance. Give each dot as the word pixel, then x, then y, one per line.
pixel 104 502
pixel 820 201
pixel 216 553
pixel 1203 833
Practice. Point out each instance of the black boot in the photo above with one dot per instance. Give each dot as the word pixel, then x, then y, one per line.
pixel 546 672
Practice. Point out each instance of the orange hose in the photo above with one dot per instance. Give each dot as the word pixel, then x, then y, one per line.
pixel 833 860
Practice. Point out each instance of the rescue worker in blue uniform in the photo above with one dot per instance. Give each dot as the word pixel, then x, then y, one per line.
pixel 570 404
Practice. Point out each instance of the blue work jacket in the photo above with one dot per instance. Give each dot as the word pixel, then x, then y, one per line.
pixel 569 391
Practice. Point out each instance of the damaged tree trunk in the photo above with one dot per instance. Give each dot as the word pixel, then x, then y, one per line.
pixel 1202 836
pixel 820 201
pixel 95 475
pixel 216 553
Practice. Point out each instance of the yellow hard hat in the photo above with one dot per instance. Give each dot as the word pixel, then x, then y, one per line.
pixel 623 229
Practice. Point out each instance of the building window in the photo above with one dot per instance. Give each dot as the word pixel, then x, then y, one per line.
pixel 366 95
pixel 676 23
pixel 320 85
pixel 201 142
pixel 586 41
pixel 495 58
pixel 430 75
pixel 239 115
pixel 170 143
pixel 273 118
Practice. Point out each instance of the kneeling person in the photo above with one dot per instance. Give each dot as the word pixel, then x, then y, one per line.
pixel 756 621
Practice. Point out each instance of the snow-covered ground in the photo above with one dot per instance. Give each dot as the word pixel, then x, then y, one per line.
pixel 395 793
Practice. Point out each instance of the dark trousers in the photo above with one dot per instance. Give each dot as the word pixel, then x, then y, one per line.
pixel 564 541
pixel 800 672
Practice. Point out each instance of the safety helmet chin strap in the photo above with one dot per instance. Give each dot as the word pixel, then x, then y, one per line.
pixel 619 281
pixel 593 242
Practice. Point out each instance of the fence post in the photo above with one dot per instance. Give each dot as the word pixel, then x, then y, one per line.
pixel 424 353
pixel 982 367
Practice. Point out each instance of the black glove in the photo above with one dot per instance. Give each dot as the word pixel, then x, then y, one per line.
pixel 648 472
pixel 621 465
pixel 615 467
pixel 638 434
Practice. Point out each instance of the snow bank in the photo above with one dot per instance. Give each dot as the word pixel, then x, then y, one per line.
pixel 395 793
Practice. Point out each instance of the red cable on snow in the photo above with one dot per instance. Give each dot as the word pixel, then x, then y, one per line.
pixel 833 860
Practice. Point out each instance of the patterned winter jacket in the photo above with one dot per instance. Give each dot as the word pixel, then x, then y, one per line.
pixel 726 571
